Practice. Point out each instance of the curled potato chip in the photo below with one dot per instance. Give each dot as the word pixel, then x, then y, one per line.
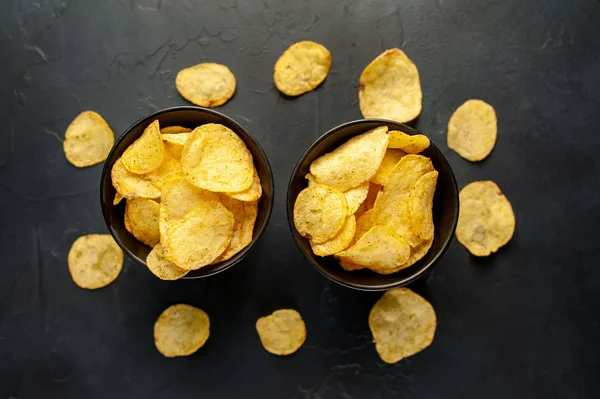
pixel 118 199
pixel 472 130
pixel 131 185
pixel 146 153
pixel 244 217
pixel 175 142
pixel 486 220
pixel 161 267
pixel 216 159
pixel 354 162
pixel 349 266
pixel 282 332
pixel 369 202
pixel 389 88
pixel 251 194
pixel 411 144
pixel 402 323
pixel 141 220
pixel 301 68
pixel 95 261
pixel 311 179
pixel 356 196
pixel 88 140
pixel 363 224
pixel 169 169
pixel 339 242
pixel 181 330
pixel 168 130
pixel 320 212
pixel 420 206
pixel 390 159
pixel 206 85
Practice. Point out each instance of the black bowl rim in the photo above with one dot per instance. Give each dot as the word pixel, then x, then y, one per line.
pixel 316 265
pixel 105 172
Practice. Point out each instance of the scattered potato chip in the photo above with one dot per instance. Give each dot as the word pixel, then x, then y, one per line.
pixel 389 88
pixel 486 220
pixel 363 224
pixel 356 196
pixel 402 323
pixel 95 261
pixel 420 206
pixel 472 130
pixel 320 212
pixel 282 332
pixel 161 267
pixel 216 159
pixel 168 170
pixel 130 185
pixel 141 220
pixel 341 241
pixel 174 130
pixel 175 142
pixel 352 163
pixel 181 330
pixel 411 144
pixel 206 85
pixel 301 68
pixel 244 217
pixel 251 194
pixel 390 159
pixel 88 140
pixel 146 153
pixel 118 199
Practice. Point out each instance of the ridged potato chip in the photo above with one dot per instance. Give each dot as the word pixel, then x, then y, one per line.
pixel 301 68
pixel 402 323
pixel 175 142
pixel 131 185
pixel 244 217
pixel 390 159
pixel 161 267
pixel 410 144
pixel 216 159
pixel 141 220
pixel 251 194
pixel 95 261
pixel 389 88
pixel 341 241
pixel 206 85
pixel 168 170
pixel 352 163
pixel 320 212
pixel 420 206
pixel 181 330
pixel 472 130
pixel 168 130
pixel 281 333
pixel 88 140
pixel 486 220
pixel 146 153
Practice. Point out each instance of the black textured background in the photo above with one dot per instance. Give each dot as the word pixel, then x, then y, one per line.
pixel 524 323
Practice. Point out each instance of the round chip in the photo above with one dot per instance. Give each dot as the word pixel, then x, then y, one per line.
pixel 181 330
pixel 141 220
pixel 161 267
pixel 244 217
pixel 301 68
pixel 281 333
pixel 341 241
pixel 402 323
pixel 206 85
pixel 95 261
pixel 486 220
pixel 389 88
pixel 130 185
pixel 472 130
pixel 251 194
pixel 320 212
pixel 88 140
pixel 146 153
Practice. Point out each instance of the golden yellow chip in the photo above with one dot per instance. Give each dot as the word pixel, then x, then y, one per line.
pixel 301 68
pixel 486 220
pixel 118 199
pixel 420 206
pixel 320 212
pixel 206 85
pixel 389 88
pixel 472 130
pixel 200 237
pixel 181 330
pixel 244 217
pixel 88 140
pixel 356 196
pixel 251 194
pixel 390 159
pixel 168 170
pixel 130 185
pixel 95 261
pixel 411 144
pixel 311 179
pixel 417 253
pixel 402 323
pixel 141 220
pixel 369 202
pixel 216 159
pixel 282 332
pixel 174 130
pixel 352 163
pixel 364 223
pixel 146 153
pixel 349 266
pixel 161 267
pixel 341 241
pixel 174 142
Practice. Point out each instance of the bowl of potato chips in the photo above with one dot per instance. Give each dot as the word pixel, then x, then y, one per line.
pixel 187 192
pixel 373 204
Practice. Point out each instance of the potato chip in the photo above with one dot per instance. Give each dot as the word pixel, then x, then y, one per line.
pixel 402 323
pixel 175 142
pixel 311 179
pixel 169 130
pixel 251 194
pixel 364 223
pixel 206 85
pixel 161 267
pixel 216 159
pixel 417 253
pixel 168 170
pixel 244 217
pixel 349 266
pixel 95 261
pixel 472 130
pixel 88 140
pixel 352 163
pixel 369 202
pixel 130 185
pixel 301 68
pixel 320 212
pixel 146 153
pixel 282 332
pixel 390 159
pixel 410 144
pixel 356 196
pixel 118 199
pixel 200 237
pixel 486 220
pixel 389 88
pixel 141 220
pixel 420 206
pixel 181 330
pixel 341 241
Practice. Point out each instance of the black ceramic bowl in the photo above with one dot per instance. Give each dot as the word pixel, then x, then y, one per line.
pixel 191 117
pixel 445 211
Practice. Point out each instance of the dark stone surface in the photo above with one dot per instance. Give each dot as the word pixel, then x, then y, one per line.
pixel 523 323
